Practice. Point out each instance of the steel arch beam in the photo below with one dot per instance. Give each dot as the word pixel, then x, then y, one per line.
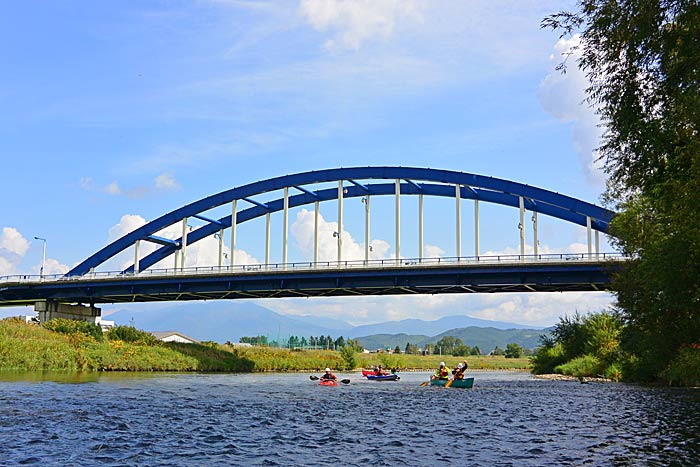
pixel 474 186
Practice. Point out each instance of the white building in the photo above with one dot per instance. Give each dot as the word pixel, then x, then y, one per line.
pixel 174 336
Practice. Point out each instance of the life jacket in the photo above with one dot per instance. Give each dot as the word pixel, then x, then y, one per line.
pixel 459 373
pixel 442 373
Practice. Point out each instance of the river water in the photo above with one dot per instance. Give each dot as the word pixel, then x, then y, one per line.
pixel 508 419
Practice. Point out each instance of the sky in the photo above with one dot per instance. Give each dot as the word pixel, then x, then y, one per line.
pixel 115 113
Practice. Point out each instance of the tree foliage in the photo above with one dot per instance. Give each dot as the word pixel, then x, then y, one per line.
pixel 643 62
pixel 513 350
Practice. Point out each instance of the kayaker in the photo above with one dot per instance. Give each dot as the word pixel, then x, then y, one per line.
pixel 328 375
pixel 458 373
pixel 442 373
pixel 378 370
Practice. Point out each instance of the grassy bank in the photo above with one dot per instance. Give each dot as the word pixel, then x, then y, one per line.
pixel 69 347
pixel 32 347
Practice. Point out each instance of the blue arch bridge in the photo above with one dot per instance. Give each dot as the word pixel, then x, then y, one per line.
pixel 83 287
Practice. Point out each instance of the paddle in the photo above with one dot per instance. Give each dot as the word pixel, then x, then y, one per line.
pixel 316 378
pixel 449 383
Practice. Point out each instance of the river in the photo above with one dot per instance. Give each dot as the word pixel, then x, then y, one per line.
pixel 508 419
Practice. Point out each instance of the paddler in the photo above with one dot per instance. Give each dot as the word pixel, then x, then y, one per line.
pixel 442 373
pixel 458 373
pixel 328 376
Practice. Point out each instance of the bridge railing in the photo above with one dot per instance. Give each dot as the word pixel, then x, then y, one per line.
pixel 325 265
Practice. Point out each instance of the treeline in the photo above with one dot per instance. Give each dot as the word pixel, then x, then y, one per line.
pixel 296 342
pixel 450 345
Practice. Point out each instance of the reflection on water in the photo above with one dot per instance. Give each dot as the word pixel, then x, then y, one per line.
pixel 264 419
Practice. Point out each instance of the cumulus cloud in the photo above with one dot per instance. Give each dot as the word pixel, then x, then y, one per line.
pixel 302 231
pixel 13 242
pixel 200 254
pixel 433 251
pixel 13 247
pixel 354 22
pixel 563 96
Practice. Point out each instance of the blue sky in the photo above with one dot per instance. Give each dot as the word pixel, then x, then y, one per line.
pixel 117 112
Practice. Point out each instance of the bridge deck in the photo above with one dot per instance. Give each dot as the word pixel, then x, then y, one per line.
pixel 388 277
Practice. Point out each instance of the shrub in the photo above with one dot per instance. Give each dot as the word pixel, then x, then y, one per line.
pixel 587 365
pixel 131 334
pixel 513 350
pixel 547 357
pixel 73 326
pixel 684 369
pixel 614 372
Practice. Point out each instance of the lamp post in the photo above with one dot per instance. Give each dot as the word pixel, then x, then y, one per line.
pixel 43 256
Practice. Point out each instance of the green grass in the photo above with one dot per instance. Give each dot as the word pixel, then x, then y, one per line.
pixel 29 347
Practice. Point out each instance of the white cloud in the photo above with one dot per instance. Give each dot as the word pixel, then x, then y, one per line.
pixel 13 241
pixel 354 22
pixel 563 96
pixel 13 247
pixel 163 182
pixel 166 181
pixel 538 309
pixel 113 189
pixel 433 251
pixel 6 267
pixel 52 266
pixel 302 231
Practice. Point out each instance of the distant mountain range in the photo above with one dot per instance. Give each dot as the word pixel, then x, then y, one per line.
pixel 223 321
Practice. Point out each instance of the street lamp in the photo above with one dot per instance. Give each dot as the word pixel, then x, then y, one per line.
pixel 43 256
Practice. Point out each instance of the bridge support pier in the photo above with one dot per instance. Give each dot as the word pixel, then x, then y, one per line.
pixel 50 310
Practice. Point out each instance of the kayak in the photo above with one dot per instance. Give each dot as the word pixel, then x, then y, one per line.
pixel 372 372
pixel 328 382
pixel 457 383
pixel 383 377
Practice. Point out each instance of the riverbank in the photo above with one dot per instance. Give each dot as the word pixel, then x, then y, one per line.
pixel 578 379
pixel 30 347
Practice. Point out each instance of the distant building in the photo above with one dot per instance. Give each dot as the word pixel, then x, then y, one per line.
pixel 174 336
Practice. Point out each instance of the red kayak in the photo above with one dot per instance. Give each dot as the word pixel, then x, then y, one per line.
pixel 328 382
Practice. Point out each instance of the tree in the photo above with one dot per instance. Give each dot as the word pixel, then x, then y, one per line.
pixel 447 344
pixel 411 349
pixel 347 353
pixel 513 350
pixel 461 350
pixel 497 351
pixel 643 62
pixel 397 349
pixel 476 350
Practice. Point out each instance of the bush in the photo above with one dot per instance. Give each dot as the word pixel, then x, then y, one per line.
pixel 588 365
pixel 513 350
pixel 131 334
pixel 614 372
pixel 547 357
pixel 684 369
pixel 73 326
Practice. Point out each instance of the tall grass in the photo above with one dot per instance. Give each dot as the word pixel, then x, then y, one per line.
pixel 30 347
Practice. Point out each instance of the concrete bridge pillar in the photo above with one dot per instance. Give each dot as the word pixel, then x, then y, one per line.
pixel 50 310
